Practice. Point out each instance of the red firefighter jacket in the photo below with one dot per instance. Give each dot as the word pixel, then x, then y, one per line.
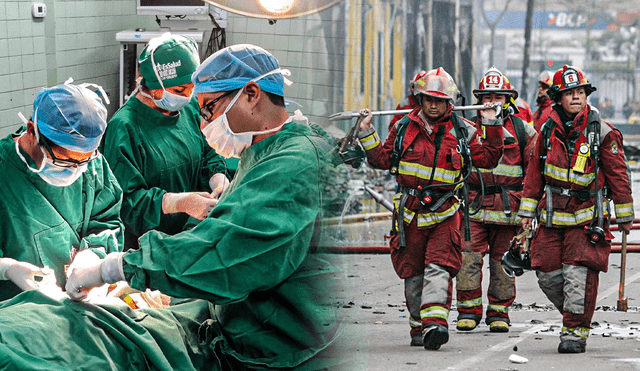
pixel 568 168
pixel 417 162
pixel 524 111
pixel 504 182
pixel 542 114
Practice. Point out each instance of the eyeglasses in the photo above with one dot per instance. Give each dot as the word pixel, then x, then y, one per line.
pixel 206 111
pixel 67 162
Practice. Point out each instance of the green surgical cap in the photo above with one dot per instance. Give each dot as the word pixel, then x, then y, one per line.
pixel 176 58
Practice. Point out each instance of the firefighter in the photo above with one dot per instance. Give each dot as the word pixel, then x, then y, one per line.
pixel 523 111
pixel 545 79
pixel 494 221
pixel 578 165
pixel 409 102
pixel 421 152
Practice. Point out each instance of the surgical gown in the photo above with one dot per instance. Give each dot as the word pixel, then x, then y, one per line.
pixel 269 300
pixel 150 154
pixel 41 223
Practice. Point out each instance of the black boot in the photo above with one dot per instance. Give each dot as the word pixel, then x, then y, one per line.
pixel 416 340
pixel 570 346
pixel 434 335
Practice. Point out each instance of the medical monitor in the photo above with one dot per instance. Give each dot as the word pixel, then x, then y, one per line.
pixel 172 7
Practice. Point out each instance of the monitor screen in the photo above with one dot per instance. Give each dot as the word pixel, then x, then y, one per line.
pixel 172 7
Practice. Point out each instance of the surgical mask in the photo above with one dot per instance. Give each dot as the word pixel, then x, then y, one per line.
pixel 169 101
pixel 227 143
pixel 51 173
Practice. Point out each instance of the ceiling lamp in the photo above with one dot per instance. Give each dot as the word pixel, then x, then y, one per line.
pixel 273 9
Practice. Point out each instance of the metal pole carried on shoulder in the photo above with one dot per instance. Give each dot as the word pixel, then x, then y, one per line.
pixel 348 115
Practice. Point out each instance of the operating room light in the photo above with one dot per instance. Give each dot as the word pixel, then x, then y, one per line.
pixel 273 9
pixel 276 6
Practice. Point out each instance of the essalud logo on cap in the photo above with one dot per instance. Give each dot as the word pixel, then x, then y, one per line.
pixel 167 71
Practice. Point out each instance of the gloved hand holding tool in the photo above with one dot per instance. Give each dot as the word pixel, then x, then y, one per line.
pixel 88 271
pixel 25 275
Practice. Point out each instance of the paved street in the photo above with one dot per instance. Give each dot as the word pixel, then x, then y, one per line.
pixel 378 328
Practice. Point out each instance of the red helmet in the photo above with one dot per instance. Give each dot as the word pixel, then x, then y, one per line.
pixel 413 81
pixel 495 81
pixel 569 77
pixel 546 78
pixel 437 83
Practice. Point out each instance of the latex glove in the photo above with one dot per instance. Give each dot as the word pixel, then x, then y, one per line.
pixel 196 204
pixel 88 271
pixel 25 275
pixel 218 184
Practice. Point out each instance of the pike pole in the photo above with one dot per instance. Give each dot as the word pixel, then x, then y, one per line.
pixel 348 115
pixel 622 300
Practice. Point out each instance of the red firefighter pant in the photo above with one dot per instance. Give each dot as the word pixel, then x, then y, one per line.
pixel 493 239
pixel 428 264
pixel 567 265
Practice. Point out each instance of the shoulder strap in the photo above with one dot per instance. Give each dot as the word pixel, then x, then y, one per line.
pixel 518 126
pixel 461 129
pixel 396 152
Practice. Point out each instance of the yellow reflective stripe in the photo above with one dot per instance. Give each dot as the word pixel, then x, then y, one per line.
pixel 414 322
pixel 424 172
pixel 579 217
pixel 427 219
pixel 623 210
pixel 498 308
pixel 370 141
pixel 470 303
pixel 556 172
pixel 496 216
pixel 582 332
pixel 505 170
pixel 528 204
pixel 581 179
pixel 435 312
pixel 565 175
pixel 408 214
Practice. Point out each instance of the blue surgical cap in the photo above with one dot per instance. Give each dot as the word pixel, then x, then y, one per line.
pixel 234 66
pixel 71 116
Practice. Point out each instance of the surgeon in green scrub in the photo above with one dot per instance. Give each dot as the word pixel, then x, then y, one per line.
pixel 155 148
pixel 252 259
pixel 58 194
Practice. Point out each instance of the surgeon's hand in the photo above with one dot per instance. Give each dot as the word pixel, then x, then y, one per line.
pixel 196 204
pixel 24 274
pixel 88 271
pixel 83 274
pixel 218 184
